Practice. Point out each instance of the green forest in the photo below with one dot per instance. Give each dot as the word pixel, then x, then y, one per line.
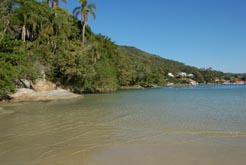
pixel 38 38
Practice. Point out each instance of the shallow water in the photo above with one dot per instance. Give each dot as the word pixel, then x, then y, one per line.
pixel 187 125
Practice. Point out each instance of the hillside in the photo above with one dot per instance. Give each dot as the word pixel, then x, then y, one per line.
pixel 137 53
pixel 158 67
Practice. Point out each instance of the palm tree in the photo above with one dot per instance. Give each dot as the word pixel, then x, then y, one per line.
pixel 48 2
pixel 31 16
pixel 54 3
pixel 84 10
pixel 27 17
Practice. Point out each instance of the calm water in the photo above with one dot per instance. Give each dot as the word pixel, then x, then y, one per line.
pixel 208 119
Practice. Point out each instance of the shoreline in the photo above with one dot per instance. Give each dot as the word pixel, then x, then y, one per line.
pixel 29 95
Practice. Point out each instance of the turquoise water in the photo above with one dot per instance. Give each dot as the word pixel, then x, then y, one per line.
pixel 65 132
pixel 211 109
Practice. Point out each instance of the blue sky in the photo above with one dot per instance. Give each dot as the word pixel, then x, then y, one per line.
pixel 201 33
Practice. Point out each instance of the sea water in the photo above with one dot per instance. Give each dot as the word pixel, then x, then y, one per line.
pixel 147 126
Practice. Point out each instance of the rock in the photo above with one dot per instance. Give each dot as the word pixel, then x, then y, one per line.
pixel 239 82
pixel 5 98
pixel 25 94
pixel 105 90
pixel 193 82
pixel 24 83
pixel 151 86
pixel 132 87
pixel 170 84
pixel 43 85
pixel 22 94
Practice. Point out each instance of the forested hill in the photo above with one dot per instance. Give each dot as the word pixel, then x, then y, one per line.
pixel 140 54
pixel 41 39
pixel 157 70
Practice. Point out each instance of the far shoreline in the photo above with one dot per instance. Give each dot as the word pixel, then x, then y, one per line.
pixel 61 94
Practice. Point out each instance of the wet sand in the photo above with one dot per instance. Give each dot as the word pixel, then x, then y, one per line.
pixel 186 151
pixel 99 148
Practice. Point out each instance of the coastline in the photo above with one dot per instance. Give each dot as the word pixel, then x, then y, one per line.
pixel 29 95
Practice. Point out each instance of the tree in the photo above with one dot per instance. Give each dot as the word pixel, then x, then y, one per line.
pixel 84 10
pixel 5 9
pixel 54 3
pixel 29 19
pixel 15 62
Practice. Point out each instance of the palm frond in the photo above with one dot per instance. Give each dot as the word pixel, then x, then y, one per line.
pixel 77 13
pixel 84 3
pixel 92 6
pixel 92 13
pixel 75 10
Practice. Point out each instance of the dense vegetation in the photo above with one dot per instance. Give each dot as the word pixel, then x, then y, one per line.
pixel 40 37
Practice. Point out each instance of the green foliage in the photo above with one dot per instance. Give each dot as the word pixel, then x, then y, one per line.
pixel 142 68
pixel 7 77
pixel 210 75
pixel 7 72
pixel 106 77
pixel 243 77
pixel 14 63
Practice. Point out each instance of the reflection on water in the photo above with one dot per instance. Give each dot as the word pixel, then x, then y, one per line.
pixel 74 131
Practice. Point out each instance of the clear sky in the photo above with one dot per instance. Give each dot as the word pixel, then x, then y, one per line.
pixel 201 33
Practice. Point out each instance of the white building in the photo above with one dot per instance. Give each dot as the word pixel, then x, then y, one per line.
pixel 182 74
pixel 170 75
pixel 191 75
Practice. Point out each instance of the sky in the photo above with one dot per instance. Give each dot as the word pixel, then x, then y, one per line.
pixel 201 33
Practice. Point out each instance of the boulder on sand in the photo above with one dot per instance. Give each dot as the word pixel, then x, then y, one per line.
pixel 25 94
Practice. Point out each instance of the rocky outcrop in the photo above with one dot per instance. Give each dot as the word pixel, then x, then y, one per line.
pixel 4 98
pixel 151 86
pixel 240 82
pixel 25 94
pixel 43 85
pixel 24 83
pixel 40 90
pixel 105 90
pixel 132 87
pixel 193 82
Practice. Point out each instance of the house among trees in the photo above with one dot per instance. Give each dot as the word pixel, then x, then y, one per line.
pixel 191 75
pixel 170 75
pixel 182 74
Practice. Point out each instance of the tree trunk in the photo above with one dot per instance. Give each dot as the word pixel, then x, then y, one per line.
pixel 83 33
pixel 82 25
pixel 23 34
pixel 28 34
pixel 54 4
pixel 48 2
